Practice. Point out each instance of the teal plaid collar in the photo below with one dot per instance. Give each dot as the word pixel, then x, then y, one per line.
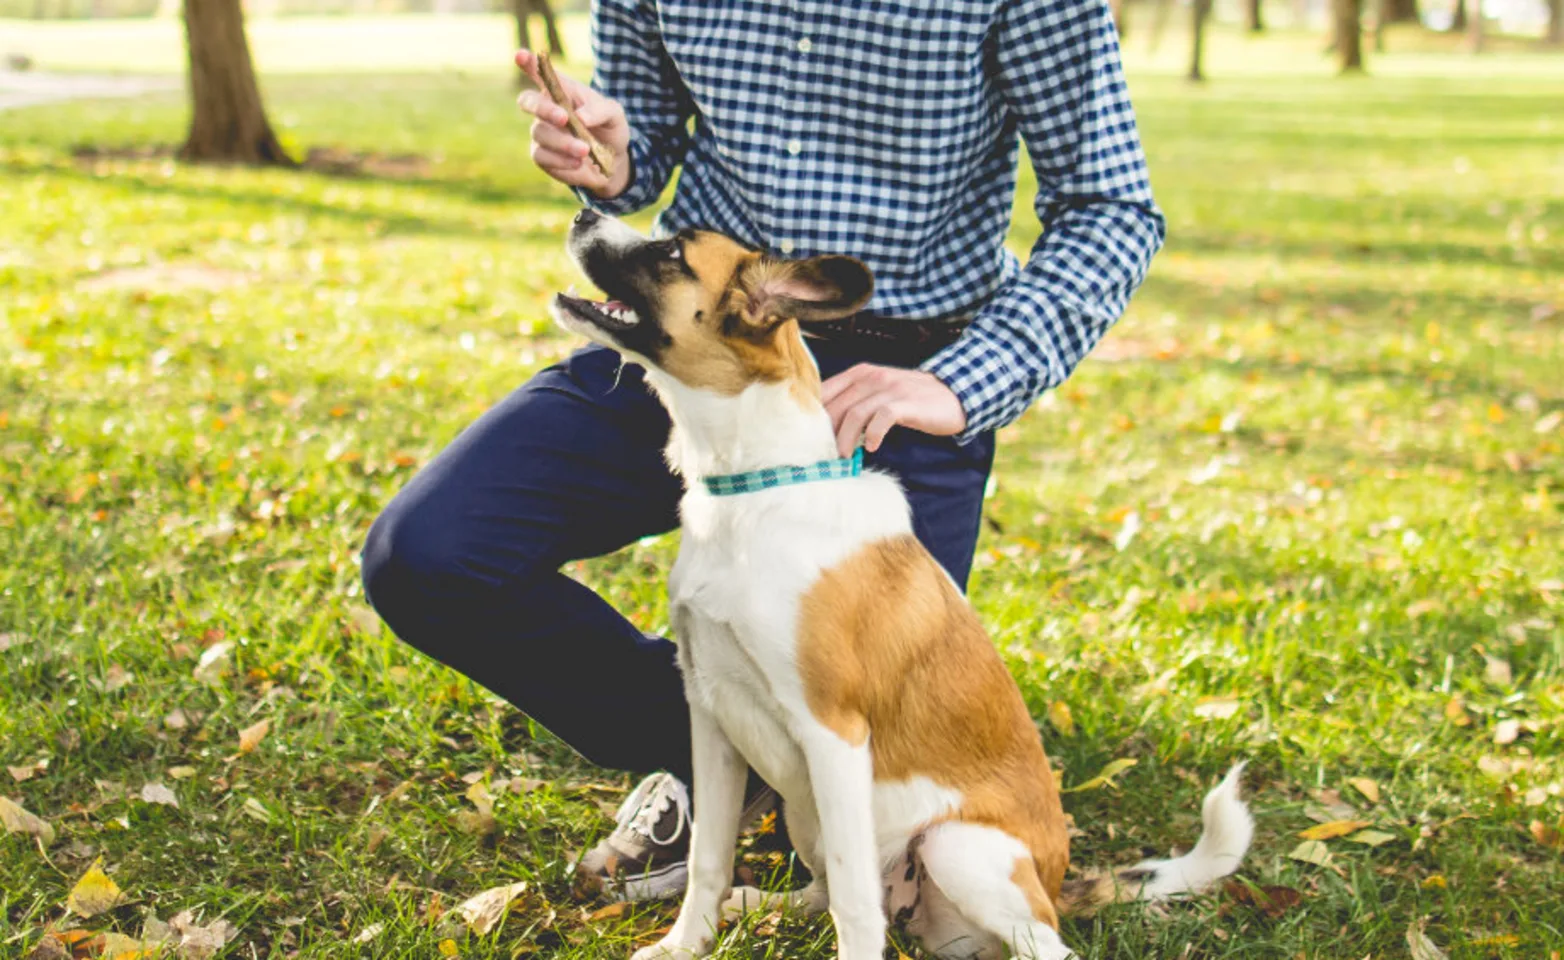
pixel 728 484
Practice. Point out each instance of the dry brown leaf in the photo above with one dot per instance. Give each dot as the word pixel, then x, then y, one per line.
pixel 94 893
pixel 1455 712
pixel 21 774
pixel 483 912
pixel 176 720
pixel 190 940
pixel 1546 835
pixel 1273 901
pixel 213 663
pixel 251 737
pixel 1059 716
pixel 48 949
pixel 17 820
pixel 1333 829
pixel 1365 786
pixel 611 912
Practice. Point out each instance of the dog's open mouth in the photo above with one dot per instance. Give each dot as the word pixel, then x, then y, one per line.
pixel 610 315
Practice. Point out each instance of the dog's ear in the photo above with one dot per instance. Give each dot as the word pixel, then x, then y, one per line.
pixel 820 288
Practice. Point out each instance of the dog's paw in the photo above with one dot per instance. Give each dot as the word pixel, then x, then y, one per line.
pixel 745 900
pixel 665 951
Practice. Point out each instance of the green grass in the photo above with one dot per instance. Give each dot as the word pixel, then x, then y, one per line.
pixel 1329 410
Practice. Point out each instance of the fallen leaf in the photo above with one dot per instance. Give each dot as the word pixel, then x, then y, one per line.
pixel 1059 716
pixel 1216 708
pixel 48 948
pixel 1311 851
pixel 1372 838
pixel 1104 778
pixel 1548 423
pixel 251 737
pixel 1496 940
pixel 159 794
pixel 212 665
pixel 1506 732
pixel 448 948
pixel 1423 948
pixel 1455 712
pixel 369 933
pixel 1496 670
pixel 610 912
pixel 1333 829
pixel 181 773
pixel 1365 786
pixel 1127 531
pixel 1273 901
pixel 21 774
pixel 191 940
pixel 484 911
pixel 176 720
pixel 9 640
pixel 256 810
pixel 94 893
pixel 1546 835
pixel 17 820
pixel 1435 882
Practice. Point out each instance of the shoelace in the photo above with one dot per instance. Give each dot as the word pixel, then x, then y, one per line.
pixel 647 804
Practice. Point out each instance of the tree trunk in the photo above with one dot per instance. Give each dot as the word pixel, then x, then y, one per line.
pixel 556 46
pixel 1556 21
pixel 1120 10
pixel 1458 19
pixel 1349 34
pixel 1200 11
pixel 1400 11
pixel 227 121
pixel 1474 26
pixel 1254 16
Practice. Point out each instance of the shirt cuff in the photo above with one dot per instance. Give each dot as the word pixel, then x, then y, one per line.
pixel 996 369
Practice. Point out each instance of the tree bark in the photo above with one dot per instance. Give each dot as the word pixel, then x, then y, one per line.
pixel 1120 10
pixel 524 10
pixel 227 121
pixel 1200 11
pixel 1254 15
pixel 1474 26
pixel 1458 20
pixel 1400 11
pixel 1556 21
pixel 1349 34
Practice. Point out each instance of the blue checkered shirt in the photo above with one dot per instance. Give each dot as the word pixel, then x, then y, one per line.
pixel 888 130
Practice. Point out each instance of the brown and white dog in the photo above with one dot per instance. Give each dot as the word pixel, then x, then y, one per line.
pixel 821 644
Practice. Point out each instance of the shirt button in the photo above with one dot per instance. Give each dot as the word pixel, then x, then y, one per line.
pixel 804 45
pixel 795 147
pixel 786 246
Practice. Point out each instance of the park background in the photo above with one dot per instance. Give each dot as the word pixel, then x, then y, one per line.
pixel 1303 505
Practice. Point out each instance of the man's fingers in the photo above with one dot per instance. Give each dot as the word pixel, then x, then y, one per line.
pixel 839 383
pixel 850 431
pixel 886 417
pixel 552 138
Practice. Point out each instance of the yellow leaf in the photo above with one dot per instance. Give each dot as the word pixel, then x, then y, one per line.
pixel 447 948
pixel 1497 940
pixel 1104 778
pixel 1435 882
pixel 1059 716
pixel 1365 786
pixel 17 820
pixel 94 893
pixel 1372 838
pixel 1333 829
pixel 1311 851
pixel 610 912
pixel 1455 712
pixel 251 737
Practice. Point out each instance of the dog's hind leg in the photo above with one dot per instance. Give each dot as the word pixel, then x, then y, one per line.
pixel 720 773
pixel 987 877
pixel 803 829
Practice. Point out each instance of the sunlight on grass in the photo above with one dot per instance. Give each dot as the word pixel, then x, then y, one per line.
pixel 1329 438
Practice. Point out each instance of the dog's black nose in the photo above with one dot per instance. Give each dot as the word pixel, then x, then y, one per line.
pixel 586 216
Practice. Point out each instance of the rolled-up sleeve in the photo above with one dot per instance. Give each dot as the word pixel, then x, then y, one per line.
pixel 1060 74
pixel 633 68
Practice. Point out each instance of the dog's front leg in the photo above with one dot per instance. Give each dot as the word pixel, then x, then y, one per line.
pixel 720 773
pixel 842 777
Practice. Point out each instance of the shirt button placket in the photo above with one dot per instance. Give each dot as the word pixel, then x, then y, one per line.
pixel 794 146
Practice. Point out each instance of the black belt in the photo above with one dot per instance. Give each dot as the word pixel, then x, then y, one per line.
pixel 889 341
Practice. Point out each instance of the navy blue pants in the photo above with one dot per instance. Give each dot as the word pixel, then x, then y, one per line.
pixel 464 562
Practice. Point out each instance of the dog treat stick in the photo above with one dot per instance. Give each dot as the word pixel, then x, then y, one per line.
pixel 602 157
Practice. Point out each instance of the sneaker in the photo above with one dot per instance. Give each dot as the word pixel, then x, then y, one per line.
pixel 644 857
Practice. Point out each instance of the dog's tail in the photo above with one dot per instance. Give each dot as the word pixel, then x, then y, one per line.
pixel 1224 839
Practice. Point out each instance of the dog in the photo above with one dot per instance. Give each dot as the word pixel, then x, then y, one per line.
pixel 823 646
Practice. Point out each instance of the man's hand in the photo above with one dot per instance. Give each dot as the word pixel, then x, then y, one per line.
pixel 558 153
pixel 867 401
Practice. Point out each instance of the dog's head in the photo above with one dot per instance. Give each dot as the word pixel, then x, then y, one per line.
pixel 705 310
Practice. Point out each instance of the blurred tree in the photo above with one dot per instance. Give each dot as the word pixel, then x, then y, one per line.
pixel 1458 17
pixel 1120 11
pixel 1556 21
pixel 1199 13
pixel 1348 40
pixel 227 121
pixel 1254 16
pixel 1474 25
pixel 1400 11
pixel 524 11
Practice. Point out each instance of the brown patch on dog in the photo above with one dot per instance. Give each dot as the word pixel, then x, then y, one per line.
pixel 1025 877
pixel 736 323
pixel 888 646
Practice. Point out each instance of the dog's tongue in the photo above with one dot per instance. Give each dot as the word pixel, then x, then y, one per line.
pixel 614 305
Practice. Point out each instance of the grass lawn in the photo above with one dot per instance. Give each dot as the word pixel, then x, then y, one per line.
pixel 1303 507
